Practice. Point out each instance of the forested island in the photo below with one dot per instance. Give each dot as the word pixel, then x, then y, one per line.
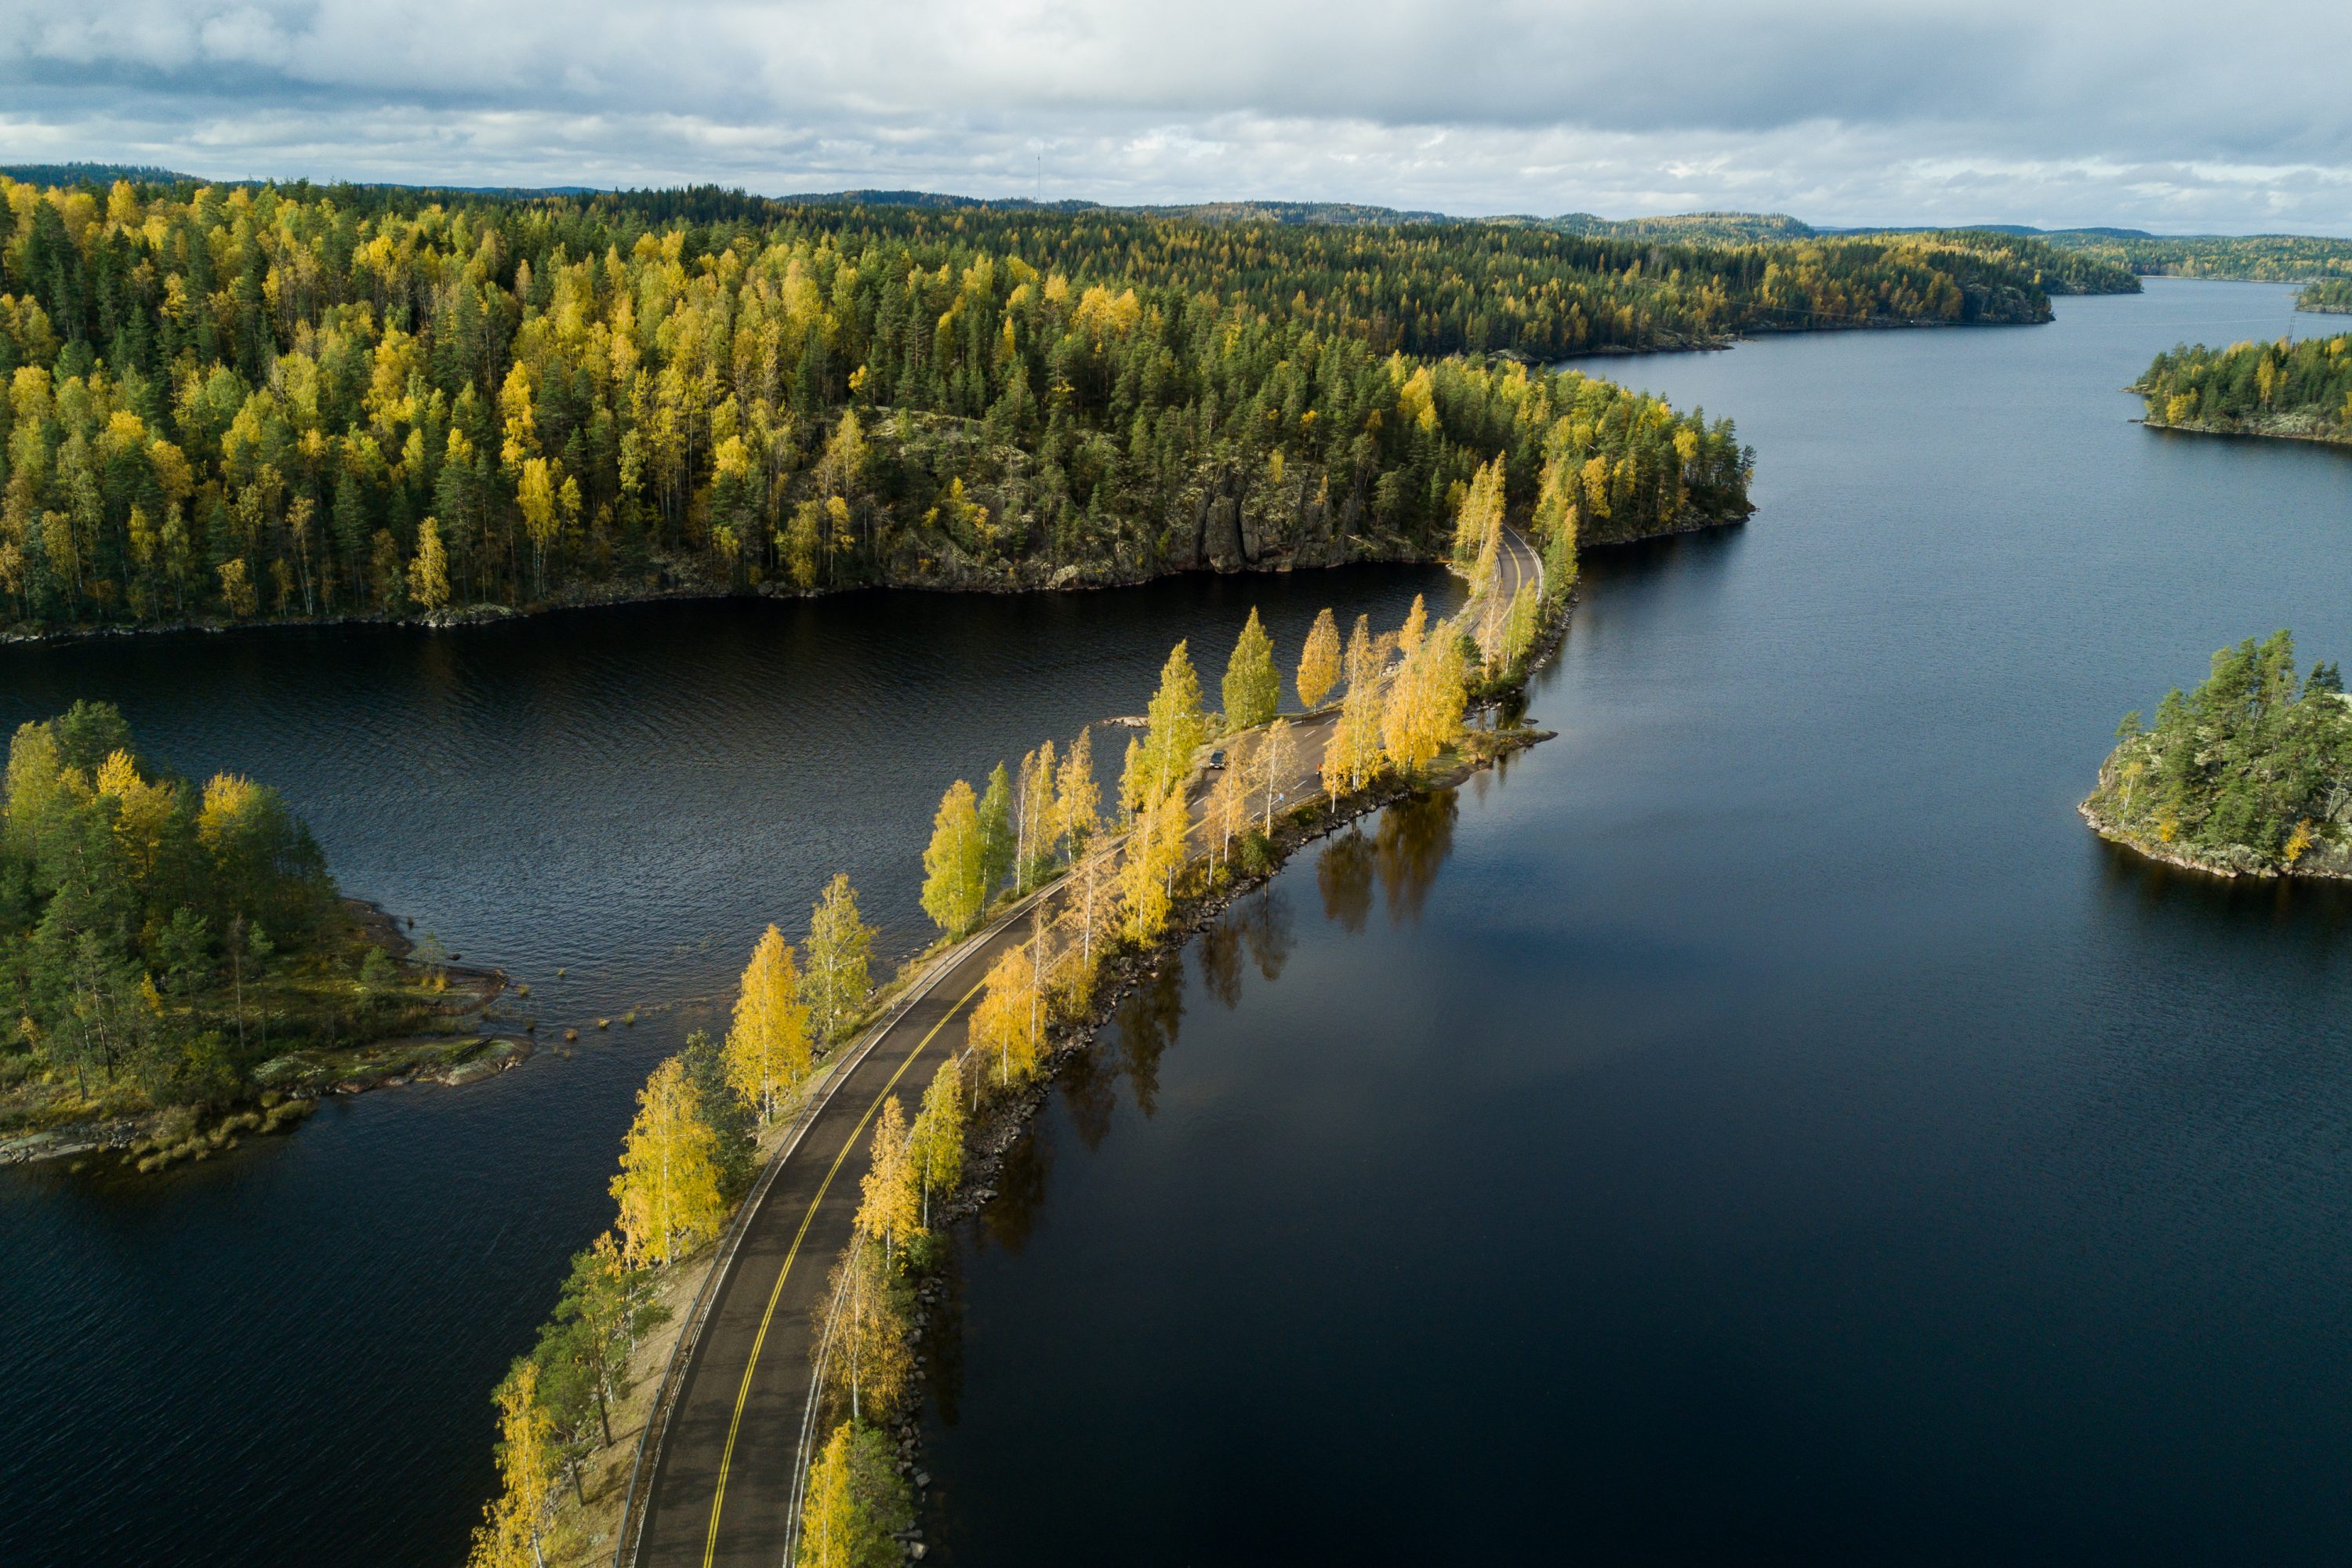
pixel 2329 295
pixel 2299 390
pixel 2249 775
pixel 245 403
pixel 170 952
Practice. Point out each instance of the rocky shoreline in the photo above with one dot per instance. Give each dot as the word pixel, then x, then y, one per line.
pixel 289 1088
pixel 1010 1119
pixel 2188 860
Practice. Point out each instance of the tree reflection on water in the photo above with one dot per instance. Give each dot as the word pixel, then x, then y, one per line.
pixel 1401 856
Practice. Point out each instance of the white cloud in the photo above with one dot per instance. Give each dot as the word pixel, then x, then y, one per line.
pixel 2164 112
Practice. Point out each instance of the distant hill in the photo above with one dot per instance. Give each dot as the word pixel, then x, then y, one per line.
pixel 91 174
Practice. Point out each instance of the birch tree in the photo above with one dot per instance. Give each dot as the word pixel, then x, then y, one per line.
pixel 1319 662
pixel 668 1184
pixel 767 1052
pixel 954 862
pixel 840 954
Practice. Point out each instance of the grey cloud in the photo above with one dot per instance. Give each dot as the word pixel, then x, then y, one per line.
pixel 2163 112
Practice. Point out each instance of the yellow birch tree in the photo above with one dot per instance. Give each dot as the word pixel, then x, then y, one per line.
pixel 954 863
pixel 509 1536
pixel 668 1184
pixel 1319 662
pixel 767 1052
pixel 890 1195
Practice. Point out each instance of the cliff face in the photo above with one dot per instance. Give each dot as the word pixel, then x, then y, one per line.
pixel 1227 514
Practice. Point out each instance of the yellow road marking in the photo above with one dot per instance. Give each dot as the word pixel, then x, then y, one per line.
pixel 743 1395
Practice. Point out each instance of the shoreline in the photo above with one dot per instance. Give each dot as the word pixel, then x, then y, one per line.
pixel 1053 581
pixel 2237 434
pixel 305 1077
pixel 2181 859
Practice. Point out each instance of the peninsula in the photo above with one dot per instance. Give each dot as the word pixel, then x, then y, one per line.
pixel 179 967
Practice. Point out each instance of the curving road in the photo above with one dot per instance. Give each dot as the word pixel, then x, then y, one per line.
pixel 723 1478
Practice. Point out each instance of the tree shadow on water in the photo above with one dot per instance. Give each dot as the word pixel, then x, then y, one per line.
pixel 1413 838
pixel 1401 856
pixel 1148 1022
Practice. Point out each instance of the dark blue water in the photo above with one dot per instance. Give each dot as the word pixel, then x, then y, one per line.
pixel 285 1357
pixel 1764 1124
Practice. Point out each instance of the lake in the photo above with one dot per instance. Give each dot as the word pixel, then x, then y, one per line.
pixel 286 1356
pixel 1765 1123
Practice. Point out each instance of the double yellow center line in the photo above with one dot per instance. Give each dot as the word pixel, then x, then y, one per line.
pixel 743 1395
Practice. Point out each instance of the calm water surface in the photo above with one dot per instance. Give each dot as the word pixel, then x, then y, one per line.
pixel 1763 1124
pixel 285 1357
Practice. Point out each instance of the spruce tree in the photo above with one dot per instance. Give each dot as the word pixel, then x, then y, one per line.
pixel 1252 689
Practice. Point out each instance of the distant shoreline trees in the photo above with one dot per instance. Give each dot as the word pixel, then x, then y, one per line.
pixel 240 405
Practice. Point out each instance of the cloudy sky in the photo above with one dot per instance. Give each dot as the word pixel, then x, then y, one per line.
pixel 2162 114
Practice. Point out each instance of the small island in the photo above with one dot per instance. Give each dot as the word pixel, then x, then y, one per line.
pixel 2249 774
pixel 2293 391
pixel 2332 295
pixel 177 968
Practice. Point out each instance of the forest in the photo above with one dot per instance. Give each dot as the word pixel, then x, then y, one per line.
pixel 1128 862
pixel 232 404
pixel 2252 772
pixel 2331 295
pixel 160 941
pixel 2257 257
pixel 2299 389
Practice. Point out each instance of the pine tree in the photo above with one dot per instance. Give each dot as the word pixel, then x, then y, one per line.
pixel 954 865
pixel 668 1184
pixel 840 953
pixel 767 1052
pixel 1319 662
pixel 1252 689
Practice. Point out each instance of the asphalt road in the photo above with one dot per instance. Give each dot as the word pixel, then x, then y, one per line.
pixel 723 1482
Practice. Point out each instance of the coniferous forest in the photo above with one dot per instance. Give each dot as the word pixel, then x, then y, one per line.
pixel 241 403
pixel 2301 389
pixel 2252 772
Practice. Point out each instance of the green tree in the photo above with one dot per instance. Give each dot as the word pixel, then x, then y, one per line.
pixel 1175 725
pixel 997 842
pixel 856 1504
pixel 1252 687
pixel 840 953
